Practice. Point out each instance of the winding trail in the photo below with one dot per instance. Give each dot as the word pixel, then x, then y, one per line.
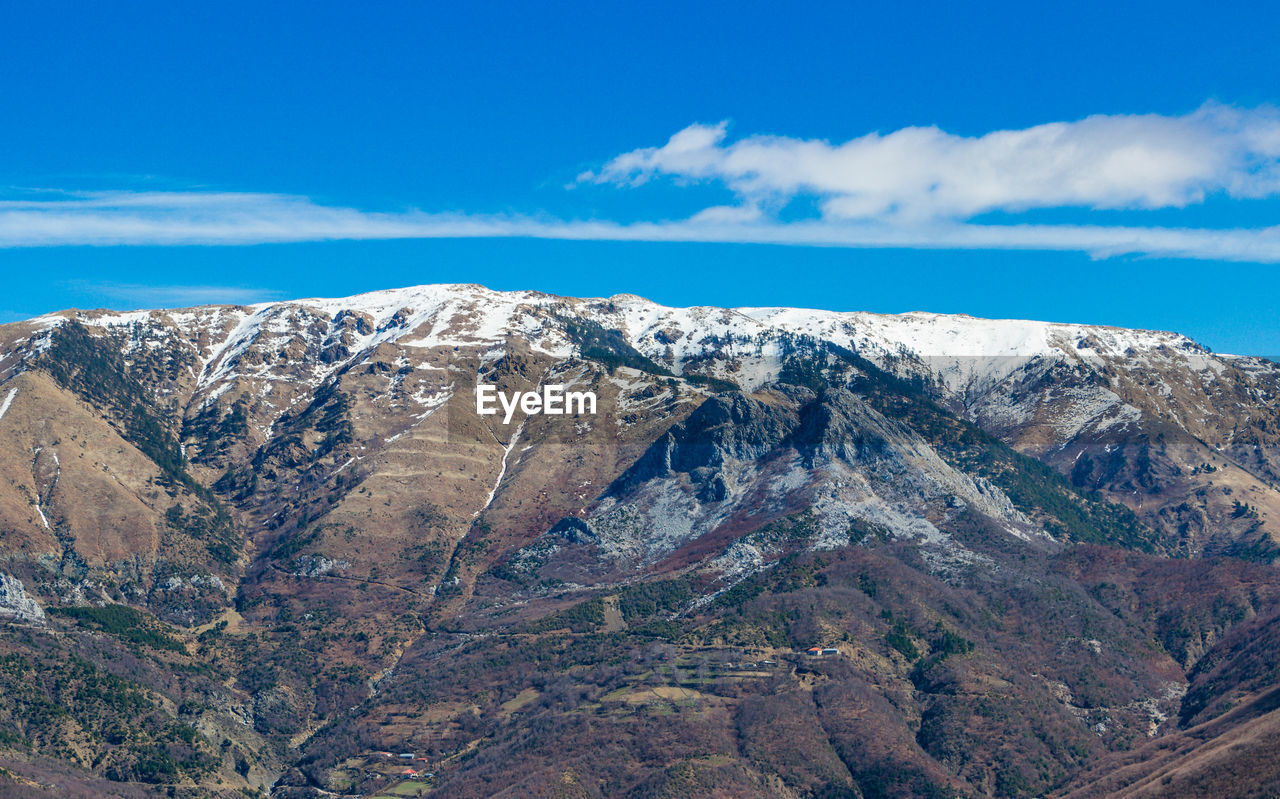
pixel 330 576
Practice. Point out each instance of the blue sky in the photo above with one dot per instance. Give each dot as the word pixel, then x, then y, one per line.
pixel 1083 163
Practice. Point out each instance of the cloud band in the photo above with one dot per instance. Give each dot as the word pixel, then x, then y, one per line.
pixel 913 188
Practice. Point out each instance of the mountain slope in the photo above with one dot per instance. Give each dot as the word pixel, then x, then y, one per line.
pixel 303 494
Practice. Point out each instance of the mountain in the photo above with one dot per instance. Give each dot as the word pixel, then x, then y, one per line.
pixel 249 547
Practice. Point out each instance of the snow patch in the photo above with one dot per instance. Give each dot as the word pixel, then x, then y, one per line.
pixel 8 400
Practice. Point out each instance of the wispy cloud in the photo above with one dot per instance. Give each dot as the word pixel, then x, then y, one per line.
pixel 916 187
pixel 172 296
pixel 177 218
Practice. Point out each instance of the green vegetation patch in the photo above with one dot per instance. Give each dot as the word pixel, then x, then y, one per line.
pixel 60 704
pixel 583 617
pixel 126 623
pixel 645 600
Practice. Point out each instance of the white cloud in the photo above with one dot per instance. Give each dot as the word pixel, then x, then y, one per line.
pixel 1101 162
pixel 114 218
pixel 913 188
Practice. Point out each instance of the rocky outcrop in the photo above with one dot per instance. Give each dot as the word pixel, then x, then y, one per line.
pixel 724 428
pixel 16 604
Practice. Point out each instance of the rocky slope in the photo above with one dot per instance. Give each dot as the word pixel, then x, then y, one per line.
pixel 301 498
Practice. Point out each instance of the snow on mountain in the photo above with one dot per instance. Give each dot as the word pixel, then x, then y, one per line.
pixel 964 354
pixel 321 388
pixel 462 314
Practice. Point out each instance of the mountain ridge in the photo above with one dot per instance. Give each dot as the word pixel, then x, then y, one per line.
pixel 307 482
pixel 384 299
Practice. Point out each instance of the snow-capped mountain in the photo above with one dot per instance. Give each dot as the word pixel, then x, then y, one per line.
pixel 1040 385
pixel 287 403
pixel 276 468
pixel 968 358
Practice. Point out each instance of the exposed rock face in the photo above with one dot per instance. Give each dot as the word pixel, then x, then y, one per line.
pixel 721 430
pixel 839 426
pixel 16 604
